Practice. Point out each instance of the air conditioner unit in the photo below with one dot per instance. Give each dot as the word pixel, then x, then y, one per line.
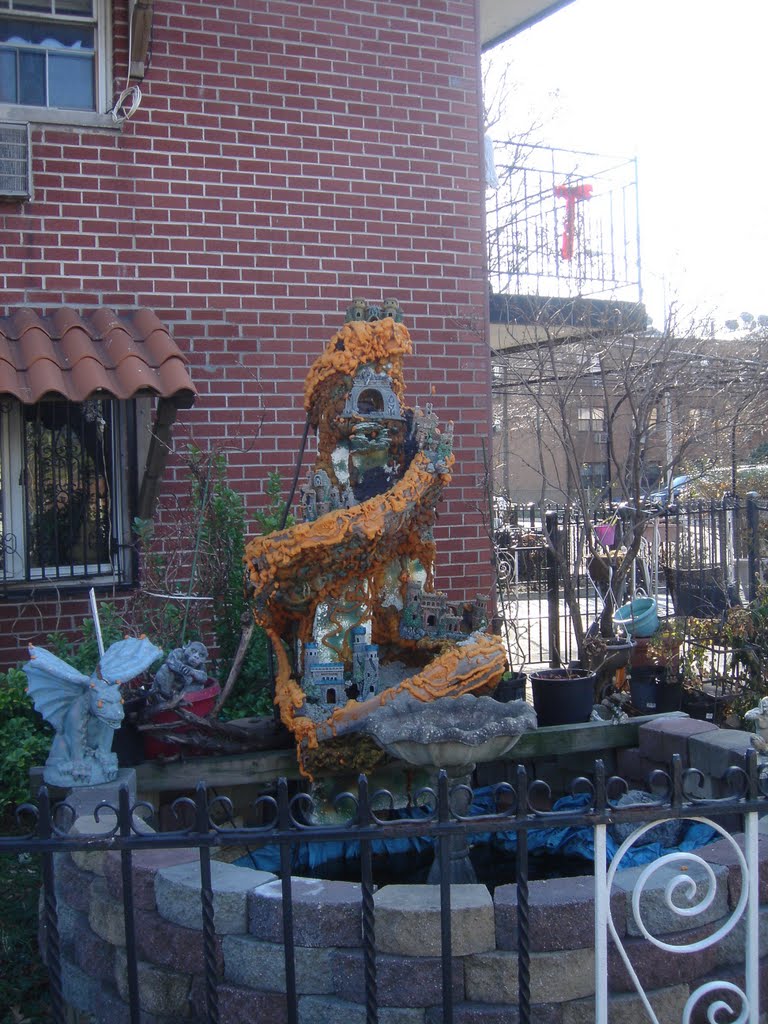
pixel 600 437
pixel 15 169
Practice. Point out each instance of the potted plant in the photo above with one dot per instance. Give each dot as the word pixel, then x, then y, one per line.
pixel 654 683
pixel 563 696
pixel 511 687
pixel 699 591
pixel 739 643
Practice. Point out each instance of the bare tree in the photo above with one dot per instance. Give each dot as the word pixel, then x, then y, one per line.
pixel 589 390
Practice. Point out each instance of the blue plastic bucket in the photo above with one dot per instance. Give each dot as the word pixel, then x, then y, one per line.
pixel 638 618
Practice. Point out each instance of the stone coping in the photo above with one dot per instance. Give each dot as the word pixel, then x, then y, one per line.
pixel 327 928
pixel 330 986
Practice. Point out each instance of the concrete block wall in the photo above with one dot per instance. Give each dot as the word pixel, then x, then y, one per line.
pixel 700 745
pixel 286 158
pixel 329 960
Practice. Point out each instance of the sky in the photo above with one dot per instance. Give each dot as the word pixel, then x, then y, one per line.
pixel 682 85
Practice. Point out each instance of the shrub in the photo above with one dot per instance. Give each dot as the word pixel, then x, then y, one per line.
pixel 24 740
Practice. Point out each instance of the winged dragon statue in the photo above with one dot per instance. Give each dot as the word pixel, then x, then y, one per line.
pixel 85 711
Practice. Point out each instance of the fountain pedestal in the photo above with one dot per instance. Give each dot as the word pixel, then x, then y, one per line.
pixel 453 734
pixel 460 867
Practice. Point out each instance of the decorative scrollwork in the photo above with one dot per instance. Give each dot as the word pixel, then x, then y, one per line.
pixel 660 786
pixel 615 789
pixel 693 780
pixel 538 789
pixel 259 807
pixel 460 801
pixel 184 810
pixel 301 811
pixel 714 1009
pixel 684 883
pixel 27 817
pixel 736 782
pixel 346 800
pixel 580 786
pixel 505 800
pixel 681 883
pixel 100 815
pixel 426 803
pixel 140 805
pixel 226 805
pixel 382 805
pixel 63 816
pixel 735 779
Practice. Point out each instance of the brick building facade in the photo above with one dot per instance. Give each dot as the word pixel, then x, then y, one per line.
pixel 284 159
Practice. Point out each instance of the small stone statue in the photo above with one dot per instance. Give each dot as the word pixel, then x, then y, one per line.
pixel 759 716
pixel 183 669
pixel 85 710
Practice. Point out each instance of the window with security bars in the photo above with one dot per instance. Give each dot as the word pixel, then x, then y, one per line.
pixel 62 501
pixel 51 53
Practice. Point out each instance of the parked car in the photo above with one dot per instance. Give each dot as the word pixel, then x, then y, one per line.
pixel 669 494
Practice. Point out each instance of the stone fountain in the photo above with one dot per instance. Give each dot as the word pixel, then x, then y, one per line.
pixel 364 644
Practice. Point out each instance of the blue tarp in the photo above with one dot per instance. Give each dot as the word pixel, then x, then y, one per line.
pixel 579 841
pixel 568 841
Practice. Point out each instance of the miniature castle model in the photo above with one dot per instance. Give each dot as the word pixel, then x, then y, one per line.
pixel 365 664
pixel 372 397
pixel 430 614
pixel 319 495
pixel 328 679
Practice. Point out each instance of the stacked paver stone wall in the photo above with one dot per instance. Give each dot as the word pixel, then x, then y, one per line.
pixel 329 960
pixel 285 159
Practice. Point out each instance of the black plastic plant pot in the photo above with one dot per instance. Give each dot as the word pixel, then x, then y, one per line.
pixel 651 693
pixel 702 706
pixel 563 696
pixel 511 688
pixel 700 592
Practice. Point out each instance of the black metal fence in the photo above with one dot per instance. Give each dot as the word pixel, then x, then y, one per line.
pixel 696 559
pixel 518 807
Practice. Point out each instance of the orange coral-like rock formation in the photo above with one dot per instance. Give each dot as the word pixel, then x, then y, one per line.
pixel 349 550
pixel 382 343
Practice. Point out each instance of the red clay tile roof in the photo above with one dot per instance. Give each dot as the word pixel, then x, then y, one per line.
pixel 77 357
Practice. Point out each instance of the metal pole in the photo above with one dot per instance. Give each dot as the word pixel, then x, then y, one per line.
pixel 96 623
pixel 753 533
pixel 553 552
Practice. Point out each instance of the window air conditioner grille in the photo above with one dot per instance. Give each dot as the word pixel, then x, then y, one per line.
pixel 14 161
pixel 600 437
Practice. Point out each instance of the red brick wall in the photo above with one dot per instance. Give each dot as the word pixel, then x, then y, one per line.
pixel 285 159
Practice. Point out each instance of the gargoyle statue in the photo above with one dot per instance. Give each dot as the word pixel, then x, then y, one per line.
pixel 184 669
pixel 85 710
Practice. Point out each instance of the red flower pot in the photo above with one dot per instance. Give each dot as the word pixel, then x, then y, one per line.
pixel 198 702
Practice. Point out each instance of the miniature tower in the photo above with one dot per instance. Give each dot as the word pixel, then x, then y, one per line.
pixel 365 664
pixel 357 635
pixel 371 679
pixel 311 657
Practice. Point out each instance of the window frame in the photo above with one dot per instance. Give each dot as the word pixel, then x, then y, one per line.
pixel 17 573
pixel 103 88
pixel 590 418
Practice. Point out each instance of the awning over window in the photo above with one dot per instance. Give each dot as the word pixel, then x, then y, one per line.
pixel 100 355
